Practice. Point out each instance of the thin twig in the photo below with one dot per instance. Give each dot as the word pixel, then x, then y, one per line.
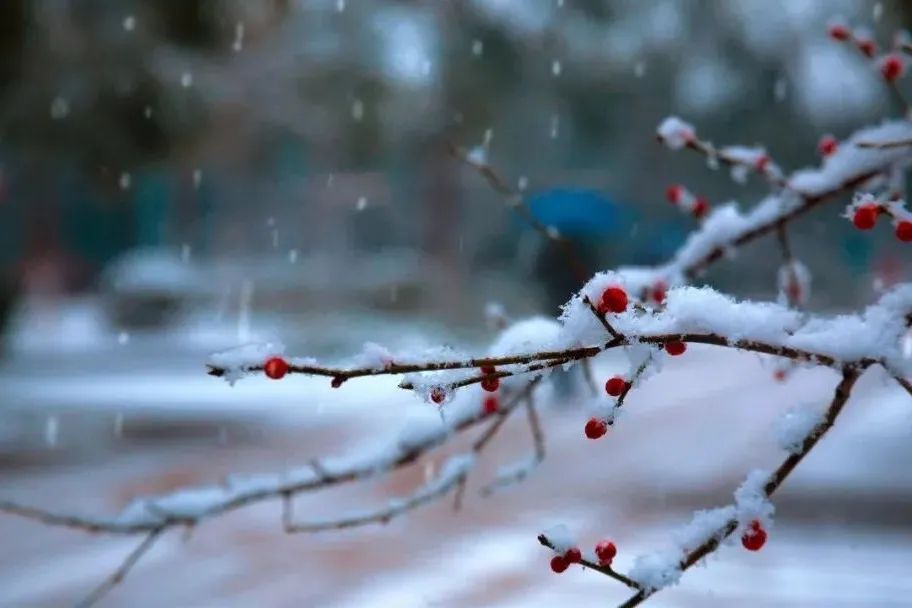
pixel 515 200
pixel 809 202
pixel 397 507
pixel 606 570
pixel 118 575
pixel 628 386
pixel 521 472
pixel 766 171
pixel 611 330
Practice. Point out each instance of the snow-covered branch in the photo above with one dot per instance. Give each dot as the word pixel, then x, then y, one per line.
pixel 655 570
pixel 648 314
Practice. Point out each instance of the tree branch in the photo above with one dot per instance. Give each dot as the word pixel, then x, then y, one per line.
pixel 841 395
pixel 112 581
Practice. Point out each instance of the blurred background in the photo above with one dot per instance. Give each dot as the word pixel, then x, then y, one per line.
pixel 181 177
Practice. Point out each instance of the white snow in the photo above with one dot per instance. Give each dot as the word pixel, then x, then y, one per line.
pixel 795 426
pixel 236 361
pixel 675 133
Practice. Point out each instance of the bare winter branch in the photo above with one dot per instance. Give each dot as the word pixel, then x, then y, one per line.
pixel 118 575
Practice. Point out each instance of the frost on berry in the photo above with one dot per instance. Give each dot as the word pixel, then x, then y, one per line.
pixel 438 395
pixel 865 217
pixel 863 211
pixel 754 537
pixel 595 428
pixel 605 551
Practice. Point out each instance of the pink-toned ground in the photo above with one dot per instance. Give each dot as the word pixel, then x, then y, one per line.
pixel 843 533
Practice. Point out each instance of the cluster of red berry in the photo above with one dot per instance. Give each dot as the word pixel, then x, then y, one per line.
pixel 865 217
pixel 604 551
pixel 682 198
pixel 892 65
pixel 614 300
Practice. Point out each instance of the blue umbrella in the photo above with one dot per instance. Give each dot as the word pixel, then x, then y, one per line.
pixel 578 212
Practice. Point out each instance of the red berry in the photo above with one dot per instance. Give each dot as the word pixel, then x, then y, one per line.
pixel 865 217
pixel 779 375
pixel 487 370
pixel 793 291
pixel 596 428
pixel 891 68
pixel 904 231
pixel 275 368
pixel 839 32
pixel 490 405
pixel 615 386
pixel 659 290
pixel 490 383
pixel 754 538
pixel 761 163
pixel 673 193
pixel 438 395
pixel 867 47
pixel 701 206
pixel 827 145
pixel 675 348
pixel 573 555
pixel 614 299
pixel 559 563
pixel 605 551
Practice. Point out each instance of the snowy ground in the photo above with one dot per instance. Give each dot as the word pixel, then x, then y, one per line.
pixel 843 533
